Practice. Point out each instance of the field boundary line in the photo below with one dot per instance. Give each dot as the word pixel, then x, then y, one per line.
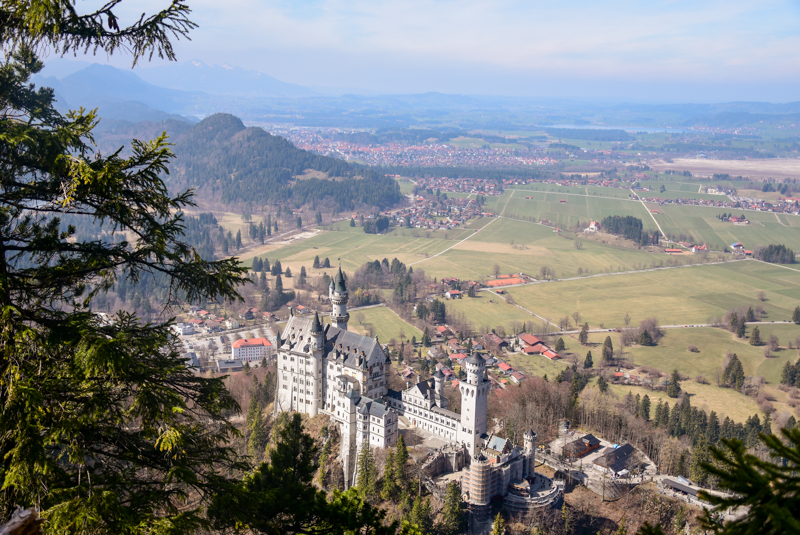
pixel 776 265
pixel 513 191
pixel 456 245
pixel 523 308
pixel 651 215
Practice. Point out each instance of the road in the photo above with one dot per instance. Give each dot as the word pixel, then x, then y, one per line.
pixel 456 245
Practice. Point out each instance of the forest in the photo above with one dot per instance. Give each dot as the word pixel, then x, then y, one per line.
pixel 629 227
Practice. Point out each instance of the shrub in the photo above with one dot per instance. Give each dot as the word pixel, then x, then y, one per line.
pixel 693 349
pixel 701 379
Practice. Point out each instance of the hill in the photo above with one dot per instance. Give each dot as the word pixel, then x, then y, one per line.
pixel 248 165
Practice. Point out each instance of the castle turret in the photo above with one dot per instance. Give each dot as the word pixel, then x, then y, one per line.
pixel 339 298
pixel 438 379
pixel 530 453
pixel 317 332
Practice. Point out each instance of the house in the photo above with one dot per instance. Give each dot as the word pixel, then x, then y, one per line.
pixel 251 350
pixel 196 322
pixel 477 346
pixel 248 313
pixel 231 323
pixel 505 367
pixel 673 251
pixel 552 355
pixel 617 460
pixel 581 446
pixel 203 313
pixel 517 377
pixel 699 248
pixel 563 201
pixel 212 326
pixel 266 316
pixel 453 345
pixel 300 310
pixel 737 247
pixel 594 226
pixel 183 329
pixel 453 294
pixel 194 309
pixel 495 340
pixel 531 345
pixel 458 357
pixel 441 330
pixel 228 366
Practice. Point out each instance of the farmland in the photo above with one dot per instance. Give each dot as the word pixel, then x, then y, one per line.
pixel 384 323
pixel 675 296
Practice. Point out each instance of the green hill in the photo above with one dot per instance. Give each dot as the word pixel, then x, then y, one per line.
pixel 240 164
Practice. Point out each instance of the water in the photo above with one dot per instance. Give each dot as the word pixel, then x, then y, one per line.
pixel 649 130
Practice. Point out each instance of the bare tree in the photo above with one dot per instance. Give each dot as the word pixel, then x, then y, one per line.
pixel 360 318
pixel 627 319
pixel 762 295
pixel 496 270
pixel 576 316
pixel 578 244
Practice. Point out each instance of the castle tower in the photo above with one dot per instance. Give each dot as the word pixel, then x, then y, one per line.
pixel 338 295
pixel 438 379
pixel 474 393
pixel 530 453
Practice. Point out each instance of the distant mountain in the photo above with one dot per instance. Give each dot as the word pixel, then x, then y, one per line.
pixel 243 165
pixel 118 94
pixel 221 80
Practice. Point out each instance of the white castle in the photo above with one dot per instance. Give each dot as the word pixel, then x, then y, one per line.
pixel 325 369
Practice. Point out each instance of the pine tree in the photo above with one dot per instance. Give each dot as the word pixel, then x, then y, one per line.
pixel 712 428
pixel 560 345
pixel 755 337
pixel 258 436
pixel 588 363
pixel 389 490
pixel 658 414
pixel 279 285
pixel 796 315
pixel 741 330
pixel 645 339
pixel 365 480
pixel 288 273
pixel 352 222
pixel 238 239
pixel 674 388
pixel 400 459
pixel 421 515
pixel 644 410
pixel 453 521
pixel 266 267
pixel 322 472
pixel 583 337
pixel 318 218
pixel 301 281
pixel 608 349
pixel 315 265
pixel 426 339
pixel 700 456
pixel 602 384
pixel 499 525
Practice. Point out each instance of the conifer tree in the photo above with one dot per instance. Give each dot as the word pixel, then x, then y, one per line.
pixel 741 330
pixel 426 339
pixel 389 490
pixel 644 409
pixel 700 456
pixel 602 384
pixel 755 337
pixel 499 525
pixel 279 286
pixel 315 265
pixel 352 222
pixel 608 349
pixel 400 459
pixel 560 345
pixel 796 315
pixel 365 481
pixel 674 388
pixel 588 363
pixel 421 515
pixel 453 521
pixel 645 339
pixel 583 337
pixel 288 273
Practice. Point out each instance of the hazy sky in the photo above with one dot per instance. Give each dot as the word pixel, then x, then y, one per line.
pixel 647 50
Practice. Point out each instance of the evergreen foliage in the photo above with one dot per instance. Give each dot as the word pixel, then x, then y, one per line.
pixel 453 519
pixel 629 227
pixel 366 477
pixel 583 337
pixel 499 525
pixel 588 363
pixel 560 345
pixel 755 337
pixel 775 254
pixel 674 388
pixel 733 374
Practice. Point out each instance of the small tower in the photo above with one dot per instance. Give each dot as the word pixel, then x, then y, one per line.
pixel 530 452
pixel 338 295
pixel 438 379
pixel 317 333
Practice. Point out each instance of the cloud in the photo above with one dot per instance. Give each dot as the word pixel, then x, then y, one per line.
pixel 482 45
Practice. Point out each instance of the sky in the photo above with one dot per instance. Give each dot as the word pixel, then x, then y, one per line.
pixel 654 51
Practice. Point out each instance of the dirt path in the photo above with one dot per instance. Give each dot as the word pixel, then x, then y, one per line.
pixel 459 243
pixel 651 214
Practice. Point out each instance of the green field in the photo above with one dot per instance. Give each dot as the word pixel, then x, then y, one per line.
pixel 385 324
pixel 488 310
pixel 674 296
pixel 536 365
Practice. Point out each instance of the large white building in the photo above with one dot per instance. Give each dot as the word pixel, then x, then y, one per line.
pixel 251 350
pixel 325 369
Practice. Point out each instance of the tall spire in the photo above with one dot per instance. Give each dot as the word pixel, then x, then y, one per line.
pixel 316 326
pixel 339 298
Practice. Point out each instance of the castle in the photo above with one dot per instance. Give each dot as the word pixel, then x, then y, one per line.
pixel 325 369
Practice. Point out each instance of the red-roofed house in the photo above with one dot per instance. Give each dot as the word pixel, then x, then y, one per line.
pixel 453 294
pixel 517 377
pixel 552 355
pixel 492 338
pixel 251 349
pixel 531 345
pixel 505 367
pixel 458 356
